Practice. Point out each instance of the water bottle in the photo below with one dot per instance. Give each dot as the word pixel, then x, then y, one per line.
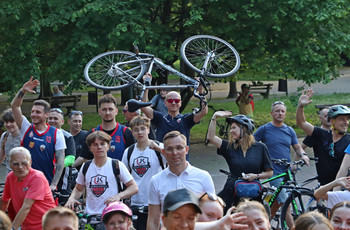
pixel 269 194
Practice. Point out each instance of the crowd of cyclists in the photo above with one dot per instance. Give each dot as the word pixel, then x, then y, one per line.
pixel 139 176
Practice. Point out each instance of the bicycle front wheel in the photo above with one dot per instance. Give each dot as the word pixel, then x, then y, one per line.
pixel 223 62
pixel 300 201
pixel 114 70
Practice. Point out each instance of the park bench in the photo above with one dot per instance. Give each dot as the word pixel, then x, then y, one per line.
pixel 70 102
pixel 263 89
pixel 329 105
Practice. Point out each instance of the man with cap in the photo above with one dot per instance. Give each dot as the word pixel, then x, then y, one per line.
pixel 245 101
pixel 181 210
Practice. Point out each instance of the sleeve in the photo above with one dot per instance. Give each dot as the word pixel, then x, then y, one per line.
pixel 125 158
pixel 70 143
pixel 294 136
pixel 85 152
pixel 154 100
pixel 336 197
pixel 308 141
pixel 189 120
pixel 36 188
pixel 129 139
pixel 60 142
pixel 125 175
pixel 223 148
pixel 153 196
pixel 258 135
pixel 347 150
pixel 209 184
pixel 157 117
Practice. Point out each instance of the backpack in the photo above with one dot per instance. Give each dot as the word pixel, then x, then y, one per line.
pixel 6 135
pixel 131 149
pixel 116 172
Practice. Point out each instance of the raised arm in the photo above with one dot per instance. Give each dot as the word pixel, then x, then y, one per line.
pixel 215 140
pixel 344 167
pixel 147 79
pixel 304 99
pixel 59 168
pixel 204 110
pixel 22 213
pixel 18 99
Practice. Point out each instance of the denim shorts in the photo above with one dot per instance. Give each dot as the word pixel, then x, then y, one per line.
pixel 282 197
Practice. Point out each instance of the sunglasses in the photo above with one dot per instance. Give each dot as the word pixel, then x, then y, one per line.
pixel 75 112
pixel 213 197
pixel 58 110
pixel 177 101
pixel 278 103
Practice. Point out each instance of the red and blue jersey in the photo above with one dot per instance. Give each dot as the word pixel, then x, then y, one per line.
pixel 117 148
pixel 42 149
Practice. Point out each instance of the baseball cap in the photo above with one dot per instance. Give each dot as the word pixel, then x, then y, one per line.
pixel 180 197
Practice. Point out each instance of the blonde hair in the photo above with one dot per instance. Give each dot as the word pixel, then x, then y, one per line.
pixel 246 205
pixel 245 142
pixel 61 212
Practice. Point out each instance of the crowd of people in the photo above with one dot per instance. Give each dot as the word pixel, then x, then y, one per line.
pixel 138 175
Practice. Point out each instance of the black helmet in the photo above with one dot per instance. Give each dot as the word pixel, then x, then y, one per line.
pixel 337 110
pixel 243 120
pixel 244 86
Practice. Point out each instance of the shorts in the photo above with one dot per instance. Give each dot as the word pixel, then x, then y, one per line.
pixel 282 197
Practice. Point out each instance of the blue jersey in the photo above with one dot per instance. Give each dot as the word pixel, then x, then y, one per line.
pixel 117 143
pixel 42 149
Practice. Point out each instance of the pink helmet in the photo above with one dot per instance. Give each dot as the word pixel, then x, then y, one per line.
pixel 116 207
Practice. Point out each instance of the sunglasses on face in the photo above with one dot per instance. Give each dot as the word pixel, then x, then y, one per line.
pixel 76 113
pixel 213 197
pixel 58 110
pixel 173 100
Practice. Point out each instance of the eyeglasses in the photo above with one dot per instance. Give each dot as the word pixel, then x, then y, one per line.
pixel 214 198
pixel 17 164
pixel 58 110
pixel 177 101
pixel 278 103
pixel 76 112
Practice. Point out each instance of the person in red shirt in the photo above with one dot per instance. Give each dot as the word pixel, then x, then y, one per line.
pixel 28 190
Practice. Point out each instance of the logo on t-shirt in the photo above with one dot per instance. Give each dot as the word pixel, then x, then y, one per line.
pixel 31 134
pixel 31 144
pixel 42 147
pixel 98 185
pixel 140 165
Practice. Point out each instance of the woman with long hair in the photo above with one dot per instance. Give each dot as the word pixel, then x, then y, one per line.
pixel 245 157
pixel 340 216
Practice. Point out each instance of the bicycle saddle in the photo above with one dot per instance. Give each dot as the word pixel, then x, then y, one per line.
pixel 134 105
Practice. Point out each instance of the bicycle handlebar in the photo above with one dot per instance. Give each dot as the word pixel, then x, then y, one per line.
pixel 285 162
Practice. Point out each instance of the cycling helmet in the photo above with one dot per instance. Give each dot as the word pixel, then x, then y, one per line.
pixel 337 110
pixel 243 120
pixel 244 86
pixel 116 207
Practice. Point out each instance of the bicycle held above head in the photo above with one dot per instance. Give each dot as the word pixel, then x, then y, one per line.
pixel 207 55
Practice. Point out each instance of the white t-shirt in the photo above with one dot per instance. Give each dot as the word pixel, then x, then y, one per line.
pixel 60 142
pixel 101 184
pixel 336 197
pixel 194 179
pixel 143 166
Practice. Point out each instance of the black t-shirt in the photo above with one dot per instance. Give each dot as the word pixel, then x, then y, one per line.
pixel 256 161
pixel 79 142
pixel 127 136
pixel 327 166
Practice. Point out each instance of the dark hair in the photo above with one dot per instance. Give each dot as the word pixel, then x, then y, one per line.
pixel 108 98
pixel 98 135
pixel 44 104
pixel 174 134
pixel 138 120
pixel 345 204
pixel 7 115
pixel 308 220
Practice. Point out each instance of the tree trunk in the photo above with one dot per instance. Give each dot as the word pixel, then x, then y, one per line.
pixel 45 87
pixel 233 90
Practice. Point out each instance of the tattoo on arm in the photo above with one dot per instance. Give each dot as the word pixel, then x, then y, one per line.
pixel 59 166
pixel 20 94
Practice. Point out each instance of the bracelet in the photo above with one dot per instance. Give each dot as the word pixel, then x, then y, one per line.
pixel 303 154
pixel 213 119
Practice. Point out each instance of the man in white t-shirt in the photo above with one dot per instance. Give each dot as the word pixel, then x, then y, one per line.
pixel 178 174
pixel 333 197
pixel 144 160
pixel 45 143
pixel 100 181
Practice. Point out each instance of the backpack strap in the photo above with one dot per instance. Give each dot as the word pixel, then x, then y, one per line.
pixel 130 149
pixel 116 172
pixel 159 156
pixel 4 140
pixel 86 167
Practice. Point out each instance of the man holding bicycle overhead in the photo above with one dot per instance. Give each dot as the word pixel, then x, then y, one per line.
pixel 334 141
pixel 278 138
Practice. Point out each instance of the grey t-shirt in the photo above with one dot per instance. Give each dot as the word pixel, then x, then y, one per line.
pixel 10 143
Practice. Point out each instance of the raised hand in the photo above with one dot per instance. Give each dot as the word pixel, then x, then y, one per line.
pixel 30 85
pixel 222 114
pixel 305 97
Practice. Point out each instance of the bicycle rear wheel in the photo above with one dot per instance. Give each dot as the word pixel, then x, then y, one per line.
pixel 114 70
pixel 301 201
pixel 224 61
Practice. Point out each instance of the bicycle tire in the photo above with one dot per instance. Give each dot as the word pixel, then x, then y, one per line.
pixel 102 72
pixel 305 201
pixel 224 62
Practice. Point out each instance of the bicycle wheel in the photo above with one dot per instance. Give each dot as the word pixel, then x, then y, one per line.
pixel 114 70
pixel 301 201
pixel 224 61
